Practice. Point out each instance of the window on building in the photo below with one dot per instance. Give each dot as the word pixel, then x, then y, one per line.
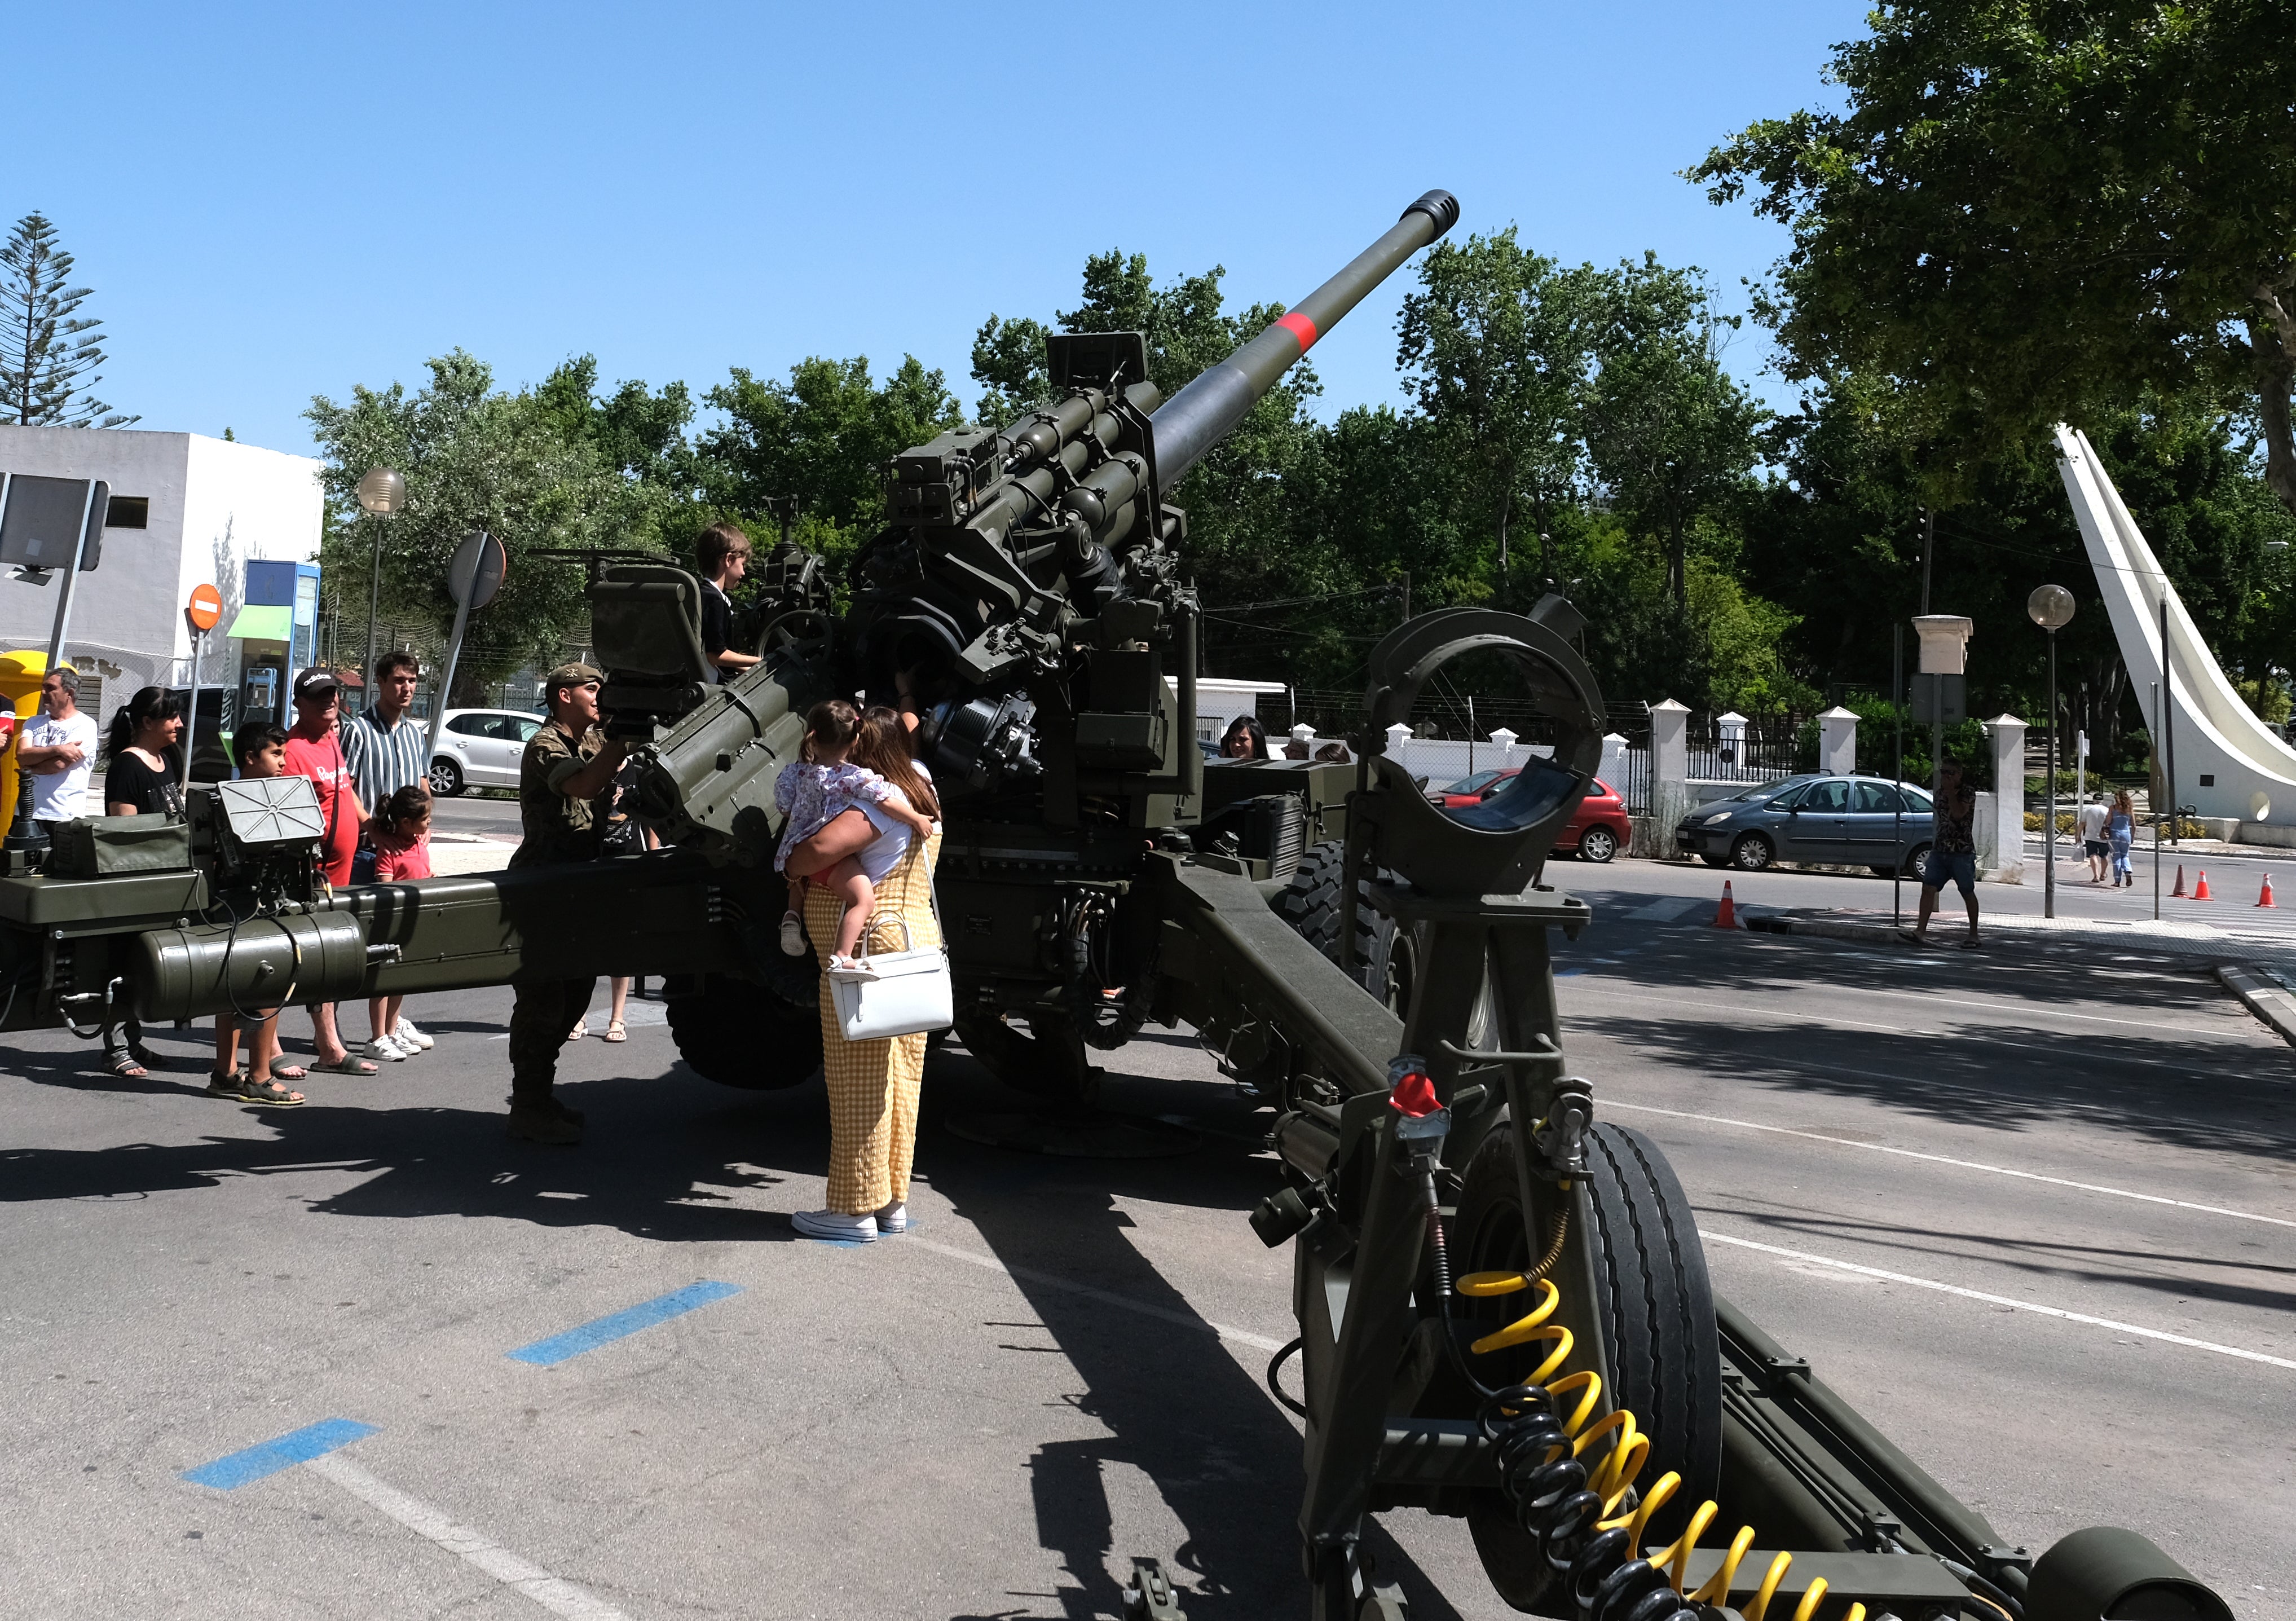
pixel 128 512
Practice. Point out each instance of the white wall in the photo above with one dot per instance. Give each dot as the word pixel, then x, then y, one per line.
pixel 202 492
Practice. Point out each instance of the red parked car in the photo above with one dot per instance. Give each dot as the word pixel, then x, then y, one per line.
pixel 1598 831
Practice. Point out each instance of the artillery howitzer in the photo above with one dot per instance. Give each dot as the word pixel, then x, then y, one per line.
pixel 1374 969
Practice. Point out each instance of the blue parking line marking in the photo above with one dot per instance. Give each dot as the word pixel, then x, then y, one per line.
pixel 297 1446
pixel 549 1352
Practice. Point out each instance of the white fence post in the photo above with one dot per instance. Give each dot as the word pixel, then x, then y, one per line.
pixel 1669 776
pixel 1504 741
pixel 1837 742
pixel 2007 734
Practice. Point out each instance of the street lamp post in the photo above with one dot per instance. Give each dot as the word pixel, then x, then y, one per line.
pixel 382 493
pixel 2051 606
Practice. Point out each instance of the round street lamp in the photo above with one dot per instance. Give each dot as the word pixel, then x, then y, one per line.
pixel 382 493
pixel 2051 606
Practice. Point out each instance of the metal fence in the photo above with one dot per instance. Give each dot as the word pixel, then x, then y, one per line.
pixel 1761 749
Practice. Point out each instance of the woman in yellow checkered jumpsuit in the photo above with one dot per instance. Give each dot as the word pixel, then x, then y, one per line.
pixel 873 1084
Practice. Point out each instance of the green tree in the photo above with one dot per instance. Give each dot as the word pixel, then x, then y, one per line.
pixel 639 436
pixel 1837 539
pixel 1670 435
pixel 823 437
pixel 2026 213
pixel 475 457
pixel 1495 346
pixel 49 352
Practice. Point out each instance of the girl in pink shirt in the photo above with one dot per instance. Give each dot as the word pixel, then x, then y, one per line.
pixel 402 854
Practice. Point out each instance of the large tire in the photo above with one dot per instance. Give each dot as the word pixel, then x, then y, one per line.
pixel 1598 845
pixel 1047 1059
pixel 1385 961
pixel 1657 1312
pixel 1753 852
pixel 446 777
pixel 728 1032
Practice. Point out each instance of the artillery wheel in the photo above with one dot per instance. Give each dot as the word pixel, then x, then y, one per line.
pixel 1385 960
pixel 727 1032
pixel 1048 1062
pixel 1657 1312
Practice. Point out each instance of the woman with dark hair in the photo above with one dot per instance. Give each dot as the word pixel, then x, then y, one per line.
pixel 143 781
pixel 873 1084
pixel 1246 739
pixel 146 770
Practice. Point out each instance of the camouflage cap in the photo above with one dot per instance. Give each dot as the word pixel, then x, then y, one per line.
pixel 575 674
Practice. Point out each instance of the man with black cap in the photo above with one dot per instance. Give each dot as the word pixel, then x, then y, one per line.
pixel 314 749
pixel 565 786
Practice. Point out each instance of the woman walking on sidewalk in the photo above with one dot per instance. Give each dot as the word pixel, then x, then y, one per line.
pixel 2120 828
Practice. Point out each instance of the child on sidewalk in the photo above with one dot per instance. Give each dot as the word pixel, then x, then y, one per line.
pixel 402 854
pixel 813 791
pixel 259 752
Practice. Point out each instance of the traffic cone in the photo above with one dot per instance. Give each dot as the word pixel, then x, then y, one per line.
pixel 1726 915
pixel 2177 893
pixel 2266 899
pixel 2201 889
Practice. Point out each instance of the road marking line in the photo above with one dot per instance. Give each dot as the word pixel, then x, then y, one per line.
pixel 1717 1007
pixel 2015 1305
pixel 1663 911
pixel 549 1352
pixel 297 1446
pixel 1966 1165
pixel 2012 1007
pixel 1259 1342
pixel 1830 1022
pixel 522 1577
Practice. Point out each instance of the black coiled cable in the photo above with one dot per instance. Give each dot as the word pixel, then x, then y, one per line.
pixel 1552 1503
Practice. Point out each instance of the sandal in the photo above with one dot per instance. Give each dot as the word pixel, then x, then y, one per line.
pixel 616 1030
pixel 581 1028
pixel 269 1092
pixel 223 1082
pixel 124 1066
pixel 350 1063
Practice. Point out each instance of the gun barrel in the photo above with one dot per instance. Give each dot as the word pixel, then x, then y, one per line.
pixel 1204 412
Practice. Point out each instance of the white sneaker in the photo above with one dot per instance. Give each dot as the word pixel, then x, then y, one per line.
pixel 793 933
pixel 836 1226
pixel 386 1050
pixel 407 1035
pixel 893 1218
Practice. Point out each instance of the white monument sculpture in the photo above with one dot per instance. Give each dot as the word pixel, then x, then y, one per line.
pixel 2229 761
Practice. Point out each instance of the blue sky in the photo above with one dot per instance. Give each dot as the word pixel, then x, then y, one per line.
pixel 272 201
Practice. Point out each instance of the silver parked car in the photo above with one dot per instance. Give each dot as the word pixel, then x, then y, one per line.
pixel 480 749
pixel 1822 821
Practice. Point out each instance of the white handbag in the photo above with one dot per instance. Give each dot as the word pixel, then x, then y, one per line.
pixel 910 995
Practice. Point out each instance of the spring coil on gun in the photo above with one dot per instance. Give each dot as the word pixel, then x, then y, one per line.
pixel 1588 1517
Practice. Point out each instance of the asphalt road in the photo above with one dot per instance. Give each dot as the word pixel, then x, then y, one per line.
pixel 1061 1368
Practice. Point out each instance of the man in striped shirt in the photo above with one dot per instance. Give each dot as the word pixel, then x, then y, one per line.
pixel 385 747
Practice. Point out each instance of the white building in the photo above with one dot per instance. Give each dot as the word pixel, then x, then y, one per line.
pixel 186 509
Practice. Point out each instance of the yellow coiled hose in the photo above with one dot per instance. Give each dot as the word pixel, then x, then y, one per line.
pixel 1531 1417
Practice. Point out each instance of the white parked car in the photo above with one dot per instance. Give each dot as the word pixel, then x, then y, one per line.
pixel 480 748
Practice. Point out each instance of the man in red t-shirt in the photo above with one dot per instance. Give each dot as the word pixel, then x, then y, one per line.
pixel 315 751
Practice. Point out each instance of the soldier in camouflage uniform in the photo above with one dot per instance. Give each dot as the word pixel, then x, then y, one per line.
pixel 565 784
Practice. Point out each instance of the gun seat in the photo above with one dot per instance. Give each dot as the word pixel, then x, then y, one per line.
pixel 645 622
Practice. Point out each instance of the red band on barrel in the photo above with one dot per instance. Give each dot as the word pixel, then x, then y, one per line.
pixel 1299 327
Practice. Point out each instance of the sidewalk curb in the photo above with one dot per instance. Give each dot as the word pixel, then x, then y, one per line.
pixel 2263 997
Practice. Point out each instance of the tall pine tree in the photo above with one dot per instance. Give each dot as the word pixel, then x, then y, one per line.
pixel 49 352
